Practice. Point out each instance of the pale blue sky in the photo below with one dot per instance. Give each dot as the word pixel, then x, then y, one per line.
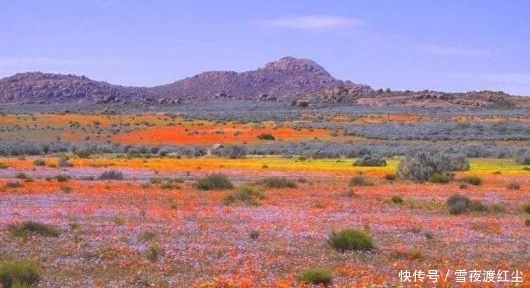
pixel 451 45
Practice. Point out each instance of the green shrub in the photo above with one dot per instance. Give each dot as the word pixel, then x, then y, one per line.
pixel 522 157
pixel 153 253
pixel 497 208
pixel 215 181
pixel 527 222
pixel 248 193
pixel 370 160
pixel 232 152
pixel 301 180
pixel 473 180
pixel 39 162
pixel 65 189
pixel 254 234
pixel 21 175
pixel 147 236
pixel 350 239
pixel 111 175
pixel 316 276
pixel 397 199
pixel 12 184
pixel 19 274
pixel 63 162
pixel 428 235
pixel 168 185
pixel 527 208
pixel 478 206
pixel 458 204
pixel 62 177
pixel 83 153
pixel 156 180
pixel 410 254
pixel 278 182
pixel 514 186
pixel 422 165
pixel 3 165
pixel 440 178
pixel 31 227
pixel 245 194
pixel 266 136
pixel 359 180
pixel 119 220
pixel 390 177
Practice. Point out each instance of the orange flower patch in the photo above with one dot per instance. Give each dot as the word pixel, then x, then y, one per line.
pixel 210 134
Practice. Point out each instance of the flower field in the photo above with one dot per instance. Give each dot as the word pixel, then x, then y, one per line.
pixel 155 228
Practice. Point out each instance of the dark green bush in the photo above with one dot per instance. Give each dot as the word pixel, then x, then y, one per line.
pixel 83 153
pixel 31 227
pixel 39 162
pixel 497 208
pixel 478 206
pixel 350 239
pixel 153 253
pixel 63 162
pixel 428 234
pixel 65 189
pixel 359 180
pixel 19 274
pixel 458 204
pixel 12 184
pixel 514 186
pixel 527 222
pixel 147 236
pixel 254 234
pixel 21 175
pixel 232 152
pixel 62 177
pixel 245 194
pixel 316 276
pixel 266 136
pixel 278 182
pixel 421 165
pixel 527 208
pixel 111 175
pixel 215 181
pixel 440 178
pixel 390 177
pixel 370 160
pixel 397 199
pixel 3 165
pixel 169 185
pixel 473 180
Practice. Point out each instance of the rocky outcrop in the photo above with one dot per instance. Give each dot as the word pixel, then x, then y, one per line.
pixel 280 79
pixel 44 88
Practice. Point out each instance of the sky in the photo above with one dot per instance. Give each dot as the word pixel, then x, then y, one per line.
pixel 449 45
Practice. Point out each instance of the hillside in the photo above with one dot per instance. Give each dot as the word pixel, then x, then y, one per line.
pixel 298 81
pixel 44 88
pixel 276 80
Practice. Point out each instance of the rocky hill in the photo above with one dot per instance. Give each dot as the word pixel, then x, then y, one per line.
pixel 45 88
pixel 301 82
pixel 283 78
pixel 280 79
